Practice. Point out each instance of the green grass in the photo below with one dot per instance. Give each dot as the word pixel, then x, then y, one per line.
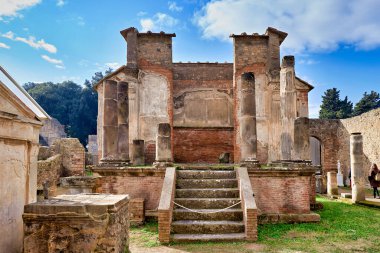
pixel 343 228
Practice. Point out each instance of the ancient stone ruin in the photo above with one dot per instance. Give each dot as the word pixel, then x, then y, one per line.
pixel 179 118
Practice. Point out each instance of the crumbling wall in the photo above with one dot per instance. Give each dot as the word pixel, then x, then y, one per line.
pixel 334 136
pixel 49 171
pixel 73 156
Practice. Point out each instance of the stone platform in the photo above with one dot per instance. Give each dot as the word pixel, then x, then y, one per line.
pixel 77 223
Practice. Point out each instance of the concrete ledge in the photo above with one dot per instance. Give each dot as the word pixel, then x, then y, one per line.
pixel 288 218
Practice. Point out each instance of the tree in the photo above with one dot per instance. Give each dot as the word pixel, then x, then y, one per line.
pixel 73 105
pixel 333 107
pixel 367 102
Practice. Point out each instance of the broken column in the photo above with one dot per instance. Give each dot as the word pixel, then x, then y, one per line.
pixel 288 104
pixel 122 119
pixel 138 152
pixel 301 139
pixel 247 119
pixel 357 170
pixel 163 144
pixel 110 122
pixel 332 186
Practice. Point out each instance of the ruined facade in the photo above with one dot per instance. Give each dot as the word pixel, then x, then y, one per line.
pixel 211 108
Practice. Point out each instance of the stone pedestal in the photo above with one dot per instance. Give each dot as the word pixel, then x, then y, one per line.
pixel 332 187
pixel 77 223
pixel 163 144
pixel 76 185
pixel 320 184
pixel 358 173
pixel 138 157
pixel 339 176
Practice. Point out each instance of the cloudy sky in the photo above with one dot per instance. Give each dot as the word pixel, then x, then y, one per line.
pixel 336 42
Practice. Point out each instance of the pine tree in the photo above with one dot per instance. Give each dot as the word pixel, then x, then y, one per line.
pixel 367 102
pixel 333 107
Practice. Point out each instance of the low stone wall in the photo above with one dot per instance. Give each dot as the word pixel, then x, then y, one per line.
pixel 77 223
pixel 284 195
pixel 48 171
pixel 145 183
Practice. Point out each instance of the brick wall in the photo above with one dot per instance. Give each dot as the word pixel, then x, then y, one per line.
pixel 136 211
pixel 281 194
pixel 202 75
pixel 73 156
pixel 141 183
pixel 150 152
pixel 192 145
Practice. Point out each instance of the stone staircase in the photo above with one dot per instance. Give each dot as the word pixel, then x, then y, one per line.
pixel 207 189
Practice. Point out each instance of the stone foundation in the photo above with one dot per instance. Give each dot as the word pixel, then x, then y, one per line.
pixel 77 223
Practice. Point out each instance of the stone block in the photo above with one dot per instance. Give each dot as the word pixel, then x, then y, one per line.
pixel 77 223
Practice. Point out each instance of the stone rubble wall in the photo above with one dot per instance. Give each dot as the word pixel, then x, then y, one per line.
pixel 49 170
pixel 73 156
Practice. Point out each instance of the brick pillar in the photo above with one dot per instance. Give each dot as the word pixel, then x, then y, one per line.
pixel 288 104
pixel 138 157
pixel 301 139
pixel 110 122
pixel 163 143
pixel 123 121
pixel 247 119
pixel 357 169
pixel 332 185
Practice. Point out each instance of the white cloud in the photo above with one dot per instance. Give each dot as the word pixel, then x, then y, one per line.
pixel 308 61
pixel 56 62
pixel 31 41
pixel 10 8
pixel 141 13
pixel 80 21
pixel 113 65
pixel 160 21
pixel 3 45
pixel 60 3
pixel 174 7
pixel 312 25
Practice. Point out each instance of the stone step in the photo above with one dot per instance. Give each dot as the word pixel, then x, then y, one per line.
pixel 233 214
pixel 210 203
pixel 206 183
pixel 208 193
pixel 206 227
pixel 206 174
pixel 208 237
pixel 206 167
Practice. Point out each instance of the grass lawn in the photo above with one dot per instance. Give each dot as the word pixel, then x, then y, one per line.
pixel 343 228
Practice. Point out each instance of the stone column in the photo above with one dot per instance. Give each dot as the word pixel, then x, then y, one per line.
pixel 110 122
pixel 332 187
pixel 247 119
pixel 288 103
pixel 301 139
pixel 138 157
pixel 163 143
pixel 357 170
pixel 122 119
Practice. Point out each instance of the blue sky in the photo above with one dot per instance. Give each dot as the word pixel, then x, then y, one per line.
pixel 336 42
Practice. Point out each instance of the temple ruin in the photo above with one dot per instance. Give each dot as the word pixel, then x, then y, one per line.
pixel 179 118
